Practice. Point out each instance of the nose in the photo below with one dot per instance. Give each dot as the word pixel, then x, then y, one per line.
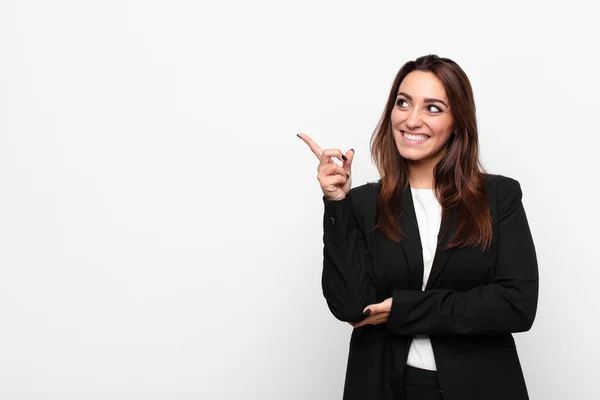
pixel 413 121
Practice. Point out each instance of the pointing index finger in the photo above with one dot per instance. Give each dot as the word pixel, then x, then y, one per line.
pixel 313 146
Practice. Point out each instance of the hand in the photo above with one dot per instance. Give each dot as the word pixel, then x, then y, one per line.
pixel 378 314
pixel 335 180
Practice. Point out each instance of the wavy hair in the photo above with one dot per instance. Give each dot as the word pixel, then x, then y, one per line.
pixel 459 177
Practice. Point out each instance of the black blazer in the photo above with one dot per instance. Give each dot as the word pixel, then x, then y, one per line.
pixel 472 302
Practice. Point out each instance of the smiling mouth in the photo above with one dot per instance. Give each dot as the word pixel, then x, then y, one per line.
pixel 414 137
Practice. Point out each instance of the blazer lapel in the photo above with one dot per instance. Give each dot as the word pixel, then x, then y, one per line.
pixel 441 257
pixel 411 244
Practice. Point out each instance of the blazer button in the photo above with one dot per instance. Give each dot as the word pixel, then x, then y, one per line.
pixel 332 220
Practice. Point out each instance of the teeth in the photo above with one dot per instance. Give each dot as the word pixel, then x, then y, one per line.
pixel 415 137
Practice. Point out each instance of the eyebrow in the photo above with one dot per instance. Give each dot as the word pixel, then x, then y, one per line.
pixel 427 100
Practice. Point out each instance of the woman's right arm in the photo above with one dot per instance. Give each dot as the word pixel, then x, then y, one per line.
pixel 346 281
pixel 346 259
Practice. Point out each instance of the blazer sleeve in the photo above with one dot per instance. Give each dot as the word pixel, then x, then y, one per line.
pixel 346 279
pixel 508 304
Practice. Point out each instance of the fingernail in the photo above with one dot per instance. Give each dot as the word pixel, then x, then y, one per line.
pixel 347 176
pixel 367 312
pixel 352 150
pixel 344 157
pixel 297 134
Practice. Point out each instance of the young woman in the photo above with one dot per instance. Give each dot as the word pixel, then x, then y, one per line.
pixel 434 264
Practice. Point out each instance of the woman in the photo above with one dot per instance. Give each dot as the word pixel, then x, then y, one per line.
pixel 433 265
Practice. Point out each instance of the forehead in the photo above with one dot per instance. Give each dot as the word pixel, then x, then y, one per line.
pixel 423 84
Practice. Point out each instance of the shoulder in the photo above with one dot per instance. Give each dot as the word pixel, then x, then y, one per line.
pixel 365 193
pixel 364 198
pixel 502 184
pixel 506 190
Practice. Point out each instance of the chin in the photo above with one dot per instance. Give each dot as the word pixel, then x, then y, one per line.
pixel 411 153
pixel 412 158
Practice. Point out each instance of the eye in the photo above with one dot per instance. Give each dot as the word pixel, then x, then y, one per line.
pixel 399 102
pixel 437 109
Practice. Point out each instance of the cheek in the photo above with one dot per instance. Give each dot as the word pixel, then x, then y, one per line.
pixel 395 117
pixel 440 128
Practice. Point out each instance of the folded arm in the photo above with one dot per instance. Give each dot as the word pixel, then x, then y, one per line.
pixel 508 304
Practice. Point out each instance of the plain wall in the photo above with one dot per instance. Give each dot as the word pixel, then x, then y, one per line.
pixel 161 223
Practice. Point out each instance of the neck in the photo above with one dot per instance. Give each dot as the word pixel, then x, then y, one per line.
pixel 420 173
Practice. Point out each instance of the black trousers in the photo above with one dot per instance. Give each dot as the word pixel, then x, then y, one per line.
pixel 421 384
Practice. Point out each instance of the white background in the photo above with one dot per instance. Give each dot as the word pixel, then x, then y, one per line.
pixel 161 223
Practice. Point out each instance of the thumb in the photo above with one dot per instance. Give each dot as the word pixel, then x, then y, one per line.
pixel 347 165
pixel 376 308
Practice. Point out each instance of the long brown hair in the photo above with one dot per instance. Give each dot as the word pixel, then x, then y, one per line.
pixel 459 177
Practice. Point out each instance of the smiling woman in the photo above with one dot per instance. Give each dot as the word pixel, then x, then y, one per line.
pixel 434 264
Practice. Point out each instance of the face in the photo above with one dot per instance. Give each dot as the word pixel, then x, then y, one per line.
pixel 421 119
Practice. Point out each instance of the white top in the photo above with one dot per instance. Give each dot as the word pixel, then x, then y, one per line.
pixel 429 218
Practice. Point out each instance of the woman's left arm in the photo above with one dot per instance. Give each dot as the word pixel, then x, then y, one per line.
pixel 508 304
